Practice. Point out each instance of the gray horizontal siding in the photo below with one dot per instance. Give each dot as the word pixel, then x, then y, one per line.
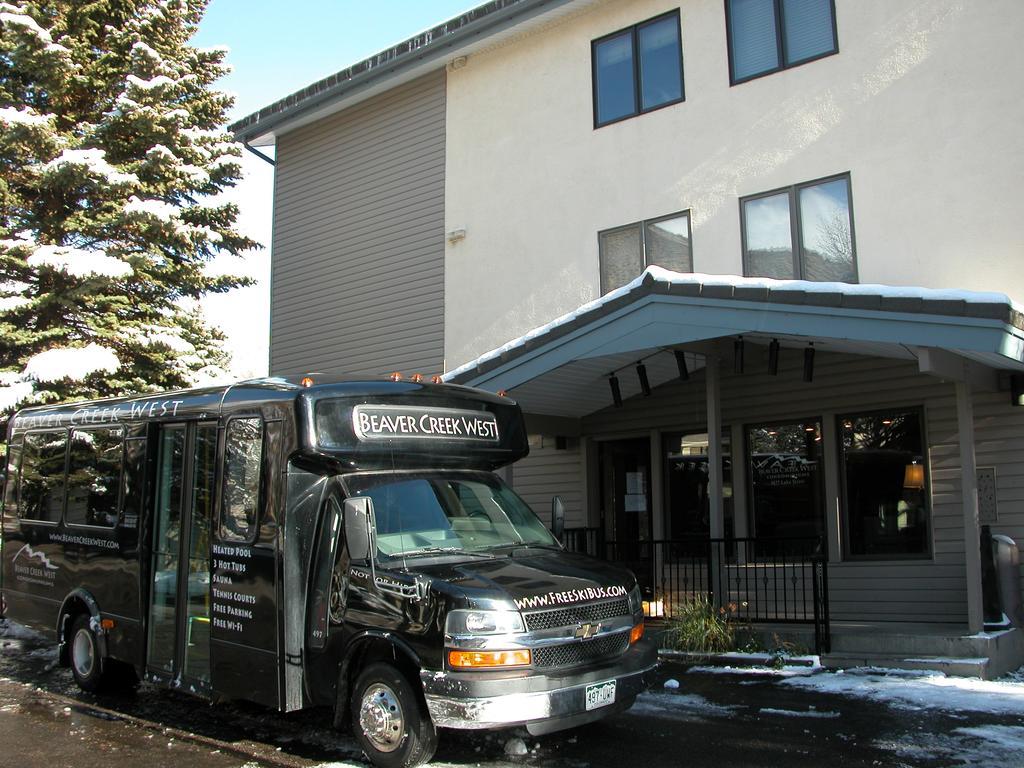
pixel 357 280
pixel 549 472
pixel 928 590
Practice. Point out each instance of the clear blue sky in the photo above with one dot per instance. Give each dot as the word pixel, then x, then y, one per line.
pixel 276 48
pixel 280 46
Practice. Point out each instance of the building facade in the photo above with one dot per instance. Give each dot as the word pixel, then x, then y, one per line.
pixel 837 176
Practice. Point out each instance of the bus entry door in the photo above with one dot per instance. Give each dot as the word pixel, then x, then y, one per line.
pixel 178 648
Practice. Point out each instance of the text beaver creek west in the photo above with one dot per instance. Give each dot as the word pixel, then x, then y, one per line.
pixel 383 422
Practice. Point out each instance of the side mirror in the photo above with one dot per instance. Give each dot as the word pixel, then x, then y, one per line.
pixel 557 517
pixel 359 528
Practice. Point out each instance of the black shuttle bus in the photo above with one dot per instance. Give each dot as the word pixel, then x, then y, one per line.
pixel 304 544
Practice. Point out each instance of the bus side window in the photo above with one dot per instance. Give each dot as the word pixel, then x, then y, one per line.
pixel 11 480
pixel 95 462
pixel 41 490
pixel 243 461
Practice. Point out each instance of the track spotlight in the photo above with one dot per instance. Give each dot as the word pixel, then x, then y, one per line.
pixel 645 385
pixel 613 383
pixel 737 355
pixel 773 357
pixel 809 363
pixel 684 373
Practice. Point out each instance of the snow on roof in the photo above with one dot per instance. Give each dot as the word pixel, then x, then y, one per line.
pixel 858 295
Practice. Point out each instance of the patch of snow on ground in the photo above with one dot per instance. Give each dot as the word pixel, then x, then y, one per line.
pixel 672 684
pixel 15 631
pixel 686 704
pixel 995 746
pixel 774 671
pixel 797 712
pixel 515 747
pixel 920 691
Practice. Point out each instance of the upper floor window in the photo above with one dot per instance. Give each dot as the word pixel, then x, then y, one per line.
pixel 637 69
pixel 803 232
pixel 626 251
pixel 768 35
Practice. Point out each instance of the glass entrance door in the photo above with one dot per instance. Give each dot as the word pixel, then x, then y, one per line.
pixel 179 606
pixel 625 492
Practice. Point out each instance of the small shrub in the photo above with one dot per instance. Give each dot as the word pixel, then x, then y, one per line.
pixel 699 627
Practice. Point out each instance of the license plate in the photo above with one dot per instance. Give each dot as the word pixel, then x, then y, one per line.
pixel 600 695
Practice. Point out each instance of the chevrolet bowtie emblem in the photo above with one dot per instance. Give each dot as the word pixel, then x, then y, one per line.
pixel 586 631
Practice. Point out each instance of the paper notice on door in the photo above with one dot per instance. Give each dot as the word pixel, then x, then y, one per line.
pixel 636 502
pixel 636 483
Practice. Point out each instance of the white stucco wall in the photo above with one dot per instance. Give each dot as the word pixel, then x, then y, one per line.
pixel 921 106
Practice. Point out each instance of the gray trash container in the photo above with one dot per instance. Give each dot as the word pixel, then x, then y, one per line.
pixel 1007 559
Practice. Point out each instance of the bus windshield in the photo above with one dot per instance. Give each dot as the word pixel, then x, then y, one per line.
pixel 420 513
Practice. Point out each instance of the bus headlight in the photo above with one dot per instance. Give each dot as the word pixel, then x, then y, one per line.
pixel 484 623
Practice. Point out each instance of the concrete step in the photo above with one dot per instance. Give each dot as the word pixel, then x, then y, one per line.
pixel 958 667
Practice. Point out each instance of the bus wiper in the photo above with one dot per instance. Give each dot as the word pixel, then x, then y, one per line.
pixel 440 551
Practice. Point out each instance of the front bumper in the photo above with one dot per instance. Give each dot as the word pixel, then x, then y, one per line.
pixel 542 702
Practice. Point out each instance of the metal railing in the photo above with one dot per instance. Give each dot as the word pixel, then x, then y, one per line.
pixel 777 580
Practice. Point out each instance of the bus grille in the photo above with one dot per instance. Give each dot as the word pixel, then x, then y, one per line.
pixel 579 614
pixel 585 652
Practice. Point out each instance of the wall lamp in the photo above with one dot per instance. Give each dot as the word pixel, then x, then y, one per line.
pixel 684 372
pixel 613 383
pixel 641 374
pixel 809 363
pixel 773 357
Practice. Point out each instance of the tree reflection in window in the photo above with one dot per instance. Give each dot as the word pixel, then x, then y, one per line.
pixel 243 457
pixel 42 474
pixel 94 476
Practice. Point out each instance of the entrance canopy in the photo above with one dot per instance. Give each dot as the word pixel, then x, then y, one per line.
pixel 561 368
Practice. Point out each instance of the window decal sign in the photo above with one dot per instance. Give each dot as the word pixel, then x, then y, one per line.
pixel 406 422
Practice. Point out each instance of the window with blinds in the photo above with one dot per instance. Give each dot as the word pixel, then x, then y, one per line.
pixel 626 251
pixel 768 35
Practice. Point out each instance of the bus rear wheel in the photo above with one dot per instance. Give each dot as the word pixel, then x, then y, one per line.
pixel 389 720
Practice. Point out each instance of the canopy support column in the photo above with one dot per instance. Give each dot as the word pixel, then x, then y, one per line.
pixel 969 499
pixel 716 509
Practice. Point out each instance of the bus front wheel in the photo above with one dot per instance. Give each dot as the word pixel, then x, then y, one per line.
pixel 389 720
pixel 86 664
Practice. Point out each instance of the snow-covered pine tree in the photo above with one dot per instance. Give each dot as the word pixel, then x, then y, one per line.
pixel 112 154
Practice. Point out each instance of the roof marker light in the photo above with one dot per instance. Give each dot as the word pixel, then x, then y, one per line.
pixel 436 379
pixel 396 376
pixel 416 378
pixel 307 381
